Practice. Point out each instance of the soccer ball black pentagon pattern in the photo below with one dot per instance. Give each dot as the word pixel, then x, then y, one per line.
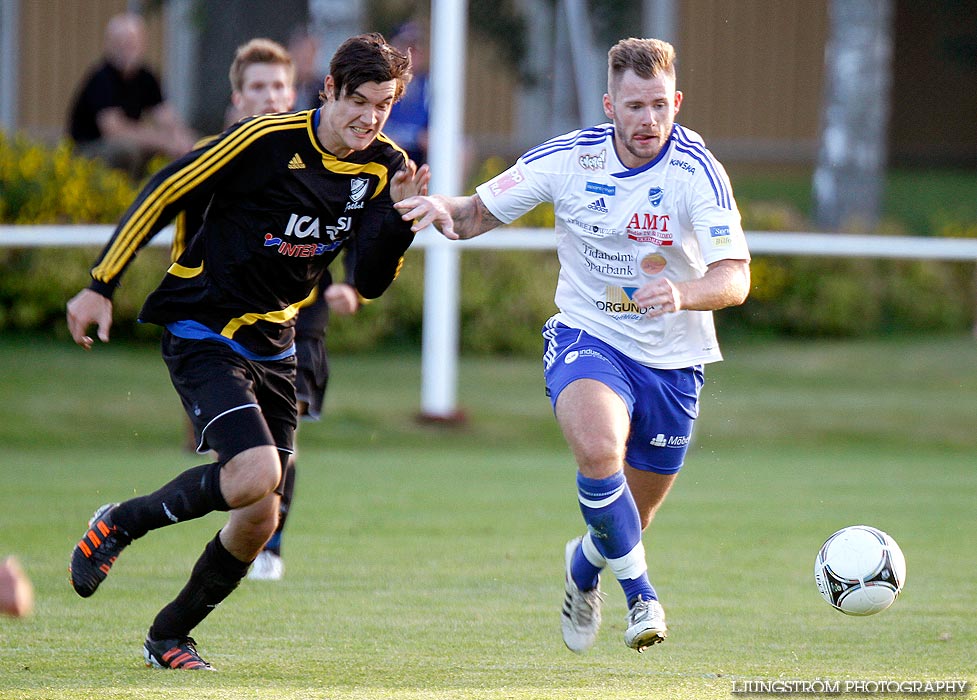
pixel 860 570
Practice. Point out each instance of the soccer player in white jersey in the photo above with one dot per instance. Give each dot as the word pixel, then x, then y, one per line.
pixel 650 243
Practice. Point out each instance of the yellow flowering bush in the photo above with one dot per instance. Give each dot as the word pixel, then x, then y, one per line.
pixel 814 296
pixel 40 184
pixel 43 185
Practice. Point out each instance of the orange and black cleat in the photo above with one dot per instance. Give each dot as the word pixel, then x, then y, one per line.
pixel 174 653
pixel 97 551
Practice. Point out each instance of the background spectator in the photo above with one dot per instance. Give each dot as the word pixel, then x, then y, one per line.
pixel 119 113
pixel 408 122
pixel 304 48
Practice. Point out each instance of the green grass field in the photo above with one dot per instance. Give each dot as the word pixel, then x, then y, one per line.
pixel 426 561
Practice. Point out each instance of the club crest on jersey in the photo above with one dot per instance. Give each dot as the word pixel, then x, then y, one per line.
pixel 593 161
pixel 655 195
pixel 357 193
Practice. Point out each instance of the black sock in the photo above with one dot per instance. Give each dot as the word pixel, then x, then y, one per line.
pixel 215 575
pixel 192 494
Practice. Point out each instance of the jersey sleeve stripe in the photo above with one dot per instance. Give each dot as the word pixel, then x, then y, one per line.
pixel 141 223
pixel 719 189
pixel 180 233
pixel 180 236
pixel 585 137
pixel 138 226
pixel 697 150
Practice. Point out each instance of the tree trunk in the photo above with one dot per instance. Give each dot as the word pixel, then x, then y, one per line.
pixel 849 177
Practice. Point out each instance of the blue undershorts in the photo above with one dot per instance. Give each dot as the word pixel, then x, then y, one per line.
pixel 663 403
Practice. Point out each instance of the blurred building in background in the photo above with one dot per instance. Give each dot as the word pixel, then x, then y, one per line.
pixel 752 70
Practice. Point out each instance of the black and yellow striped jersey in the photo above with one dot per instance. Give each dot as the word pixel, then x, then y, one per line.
pixel 279 209
pixel 314 314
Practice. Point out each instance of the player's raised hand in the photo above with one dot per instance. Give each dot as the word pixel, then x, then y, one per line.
pixel 410 182
pixel 84 309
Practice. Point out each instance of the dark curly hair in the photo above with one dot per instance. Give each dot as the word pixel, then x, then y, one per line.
pixel 368 58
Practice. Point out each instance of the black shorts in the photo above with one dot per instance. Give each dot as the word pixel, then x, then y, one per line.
pixel 312 376
pixel 233 403
pixel 310 353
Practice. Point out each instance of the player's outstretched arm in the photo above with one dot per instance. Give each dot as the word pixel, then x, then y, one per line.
pixel 454 217
pixel 84 309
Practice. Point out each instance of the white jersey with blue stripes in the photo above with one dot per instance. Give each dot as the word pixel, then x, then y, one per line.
pixel 618 228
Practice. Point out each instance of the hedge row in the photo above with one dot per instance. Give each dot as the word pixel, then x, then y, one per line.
pixel 506 295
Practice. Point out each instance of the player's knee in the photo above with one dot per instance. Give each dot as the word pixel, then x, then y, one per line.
pixel 249 528
pixel 251 475
pixel 597 459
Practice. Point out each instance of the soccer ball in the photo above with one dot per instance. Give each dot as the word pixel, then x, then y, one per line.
pixel 860 570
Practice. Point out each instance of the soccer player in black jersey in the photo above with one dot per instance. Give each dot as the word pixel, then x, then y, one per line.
pixel 262 77
pixel 284 194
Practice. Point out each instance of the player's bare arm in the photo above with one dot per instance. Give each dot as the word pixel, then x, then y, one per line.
pixel 84 309
pixel 726 283
pixel 454 217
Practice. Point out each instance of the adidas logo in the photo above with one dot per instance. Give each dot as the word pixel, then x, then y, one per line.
pixel 598 205
pixel 296 163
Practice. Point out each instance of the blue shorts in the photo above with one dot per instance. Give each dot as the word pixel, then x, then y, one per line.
pixel 663 403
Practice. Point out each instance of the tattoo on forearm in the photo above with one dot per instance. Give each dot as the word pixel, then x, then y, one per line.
pixel 474 218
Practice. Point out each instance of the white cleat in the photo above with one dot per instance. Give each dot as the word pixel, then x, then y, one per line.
pixel 268 566
pixel 581 609
pixel 646 625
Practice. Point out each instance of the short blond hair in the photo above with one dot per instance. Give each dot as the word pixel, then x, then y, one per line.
pixel 646 57
pixel 259 51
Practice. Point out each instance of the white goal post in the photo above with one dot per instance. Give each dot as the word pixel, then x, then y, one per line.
pixel 439 380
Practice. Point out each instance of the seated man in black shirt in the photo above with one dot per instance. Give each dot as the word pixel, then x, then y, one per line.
pixel 119 114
